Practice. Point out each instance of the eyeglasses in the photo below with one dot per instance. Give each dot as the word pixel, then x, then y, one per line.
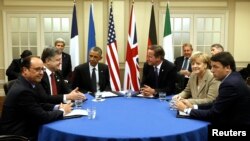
pixel 38 69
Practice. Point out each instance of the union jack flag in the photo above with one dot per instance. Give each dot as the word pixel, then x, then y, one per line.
pixel 132 75
pixel 112 55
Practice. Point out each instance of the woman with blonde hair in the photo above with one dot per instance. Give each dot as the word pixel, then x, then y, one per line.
pixel 202 87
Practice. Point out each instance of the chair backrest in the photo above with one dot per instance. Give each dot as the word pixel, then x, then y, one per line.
pixel 13 138
pixel 7 86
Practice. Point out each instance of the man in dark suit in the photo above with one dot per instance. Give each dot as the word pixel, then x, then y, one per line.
pixel 26 107
pixel 14 69
pixel 183 66
pixel 158 74
pixel 231 107
pixel 66 66
pixel 83 74
pixel 53 81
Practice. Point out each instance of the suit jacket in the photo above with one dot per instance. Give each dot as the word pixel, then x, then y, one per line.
pixel 25 108
pixel 178 63
pixel 231 107
pixel 166 79
pixel 62 87
pixel 14 69
pixel 82 78
pixel 66 66
pixel 207 92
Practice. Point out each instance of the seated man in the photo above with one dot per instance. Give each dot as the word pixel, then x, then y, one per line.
pixel 92 76
pixel 53 81
pixel 26 107
pixel 159 75
pixel 14 70
pixel 231 107
pixel 183 66
pixel 216 48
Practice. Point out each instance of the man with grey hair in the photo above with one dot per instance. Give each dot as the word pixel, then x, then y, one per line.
pixel 66 66
pixel 92 76
pixel 216 48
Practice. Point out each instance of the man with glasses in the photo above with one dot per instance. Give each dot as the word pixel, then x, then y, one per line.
pixel 26 106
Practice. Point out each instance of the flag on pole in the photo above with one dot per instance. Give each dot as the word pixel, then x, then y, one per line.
pixel 112 54
pixel 91 37
pixel 152 37
pixel 74 42
pixel 131 75
pixel 167 38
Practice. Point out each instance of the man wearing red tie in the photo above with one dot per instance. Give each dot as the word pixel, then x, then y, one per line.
pixel 53 81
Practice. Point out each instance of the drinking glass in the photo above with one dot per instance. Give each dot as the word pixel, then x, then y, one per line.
pixel 98 96
pixel 128 94
pixel 172 104
pixel 91 112
pixel 162 96
pixel 78 103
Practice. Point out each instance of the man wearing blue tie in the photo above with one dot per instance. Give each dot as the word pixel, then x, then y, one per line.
pixel 158 73
pixel 183 66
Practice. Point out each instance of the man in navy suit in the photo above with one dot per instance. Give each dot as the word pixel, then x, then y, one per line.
pixel 83 74
pixel 231 107
pixel 51 58
pixel 66 66
pixel 26 107
pixel 159 74
pixel 183 66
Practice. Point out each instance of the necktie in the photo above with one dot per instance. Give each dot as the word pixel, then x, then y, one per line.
pixel 156 76
pixel 93 80
pixel 53 84
pixel 184 67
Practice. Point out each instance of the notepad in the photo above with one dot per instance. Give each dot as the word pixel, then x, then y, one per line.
pixel 181 114
pixel 108 94
pixel 76 113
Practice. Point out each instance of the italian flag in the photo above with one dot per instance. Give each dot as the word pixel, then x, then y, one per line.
pixel 167 38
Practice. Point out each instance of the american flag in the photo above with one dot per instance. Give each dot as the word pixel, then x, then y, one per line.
pixel 132 75
pixel 112 55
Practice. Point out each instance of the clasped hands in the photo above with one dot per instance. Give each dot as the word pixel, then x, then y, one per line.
pixel 147 91
pixel 181 103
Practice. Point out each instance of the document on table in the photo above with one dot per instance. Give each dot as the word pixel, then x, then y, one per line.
pixel 181 114
pixel 141 95
pixel 76 113
pixel 108 94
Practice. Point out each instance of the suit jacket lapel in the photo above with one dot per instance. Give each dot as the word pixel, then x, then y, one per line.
pixel 46 83
pixel 162 71
pixel 203 82
pixel 88 76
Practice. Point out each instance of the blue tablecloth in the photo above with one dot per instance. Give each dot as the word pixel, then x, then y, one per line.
pixel 123 118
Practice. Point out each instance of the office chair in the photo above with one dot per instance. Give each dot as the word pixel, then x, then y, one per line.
pixel 7 86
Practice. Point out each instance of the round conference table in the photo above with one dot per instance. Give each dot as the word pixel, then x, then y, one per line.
pixel 122 118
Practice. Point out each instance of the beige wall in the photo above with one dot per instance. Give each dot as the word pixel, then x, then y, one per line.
pixel 237 28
